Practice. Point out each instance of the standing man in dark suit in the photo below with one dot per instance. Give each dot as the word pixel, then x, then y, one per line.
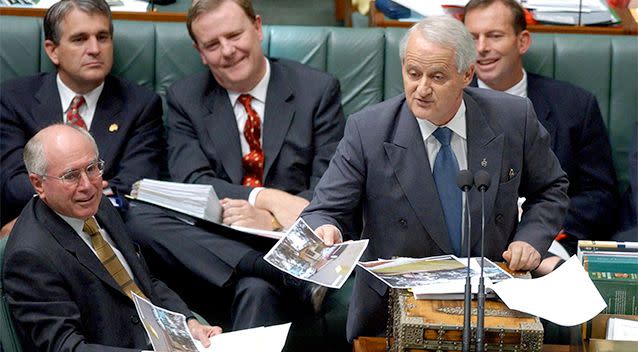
pixel 262 132
pixel 398 162
pixel 70 266
pixel 125 119
pixel 570 114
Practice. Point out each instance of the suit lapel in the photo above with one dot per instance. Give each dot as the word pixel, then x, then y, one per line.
pixel 408 157
pixel 222 130
pixel 278 113
pixel 49 107
pixel 125 246
pixel 107 112
pixel 541 105
pixel 485 152
pixel 69 240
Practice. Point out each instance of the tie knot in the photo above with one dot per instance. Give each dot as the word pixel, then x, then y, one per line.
pixel 91 227
pixel 245 100
pixel 443 135
pixel 77 102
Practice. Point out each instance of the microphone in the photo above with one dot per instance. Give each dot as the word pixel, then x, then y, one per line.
pixel 482 182
pixel 465 182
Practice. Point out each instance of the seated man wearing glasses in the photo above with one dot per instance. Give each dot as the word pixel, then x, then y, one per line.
pixel 70 266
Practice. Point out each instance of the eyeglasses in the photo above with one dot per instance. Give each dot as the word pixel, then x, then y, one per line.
pixel 72 177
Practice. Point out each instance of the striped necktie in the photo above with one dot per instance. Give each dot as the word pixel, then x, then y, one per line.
pixel 110 261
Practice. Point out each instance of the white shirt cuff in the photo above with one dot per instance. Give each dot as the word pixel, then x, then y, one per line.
pixel 252 197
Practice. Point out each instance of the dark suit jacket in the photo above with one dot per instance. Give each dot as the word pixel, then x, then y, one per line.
pixel 131 152
pixel 303 123
pixel 572 118
pixel 61 296
pixel 381 165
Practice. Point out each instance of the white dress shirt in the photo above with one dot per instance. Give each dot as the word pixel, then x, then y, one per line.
pixel 519 89
pixel 87 110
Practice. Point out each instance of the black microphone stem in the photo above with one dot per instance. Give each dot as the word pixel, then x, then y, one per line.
pixel 467 313
pixel 480 306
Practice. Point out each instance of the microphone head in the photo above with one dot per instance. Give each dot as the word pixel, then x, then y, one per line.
pixel 482 180
pixel 464 180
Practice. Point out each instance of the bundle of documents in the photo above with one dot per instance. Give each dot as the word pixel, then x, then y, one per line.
pixel 196 201
pixel 199 201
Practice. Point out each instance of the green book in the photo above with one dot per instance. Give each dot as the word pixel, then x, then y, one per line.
pixel 616 278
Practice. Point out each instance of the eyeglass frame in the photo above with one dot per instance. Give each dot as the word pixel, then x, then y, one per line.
pixel 76 179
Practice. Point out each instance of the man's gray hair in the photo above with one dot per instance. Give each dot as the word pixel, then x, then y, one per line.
pixel 34 155
pixel 448 32
pixel 58 11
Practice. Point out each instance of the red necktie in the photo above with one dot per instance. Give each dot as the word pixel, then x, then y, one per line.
pixel 253 162
pixel 72 114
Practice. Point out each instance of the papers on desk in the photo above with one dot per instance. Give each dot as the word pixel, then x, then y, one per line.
pixel 302 254
pixel 169 332
pixel 566 297
pixel 120 5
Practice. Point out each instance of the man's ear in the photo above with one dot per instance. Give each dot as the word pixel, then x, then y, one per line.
pixel 201 55
pixel 36 182
pixel 468 75
pixel 51 49
pixel 524 41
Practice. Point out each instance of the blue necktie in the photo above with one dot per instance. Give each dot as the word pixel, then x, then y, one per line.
pixel 446 168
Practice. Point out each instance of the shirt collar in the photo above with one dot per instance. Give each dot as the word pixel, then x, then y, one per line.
pixel 258 92
pixel 519 89
pixel 66 95
pixel 457 124
pixel 75 223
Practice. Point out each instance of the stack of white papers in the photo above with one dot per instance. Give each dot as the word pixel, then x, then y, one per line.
pixel 196 200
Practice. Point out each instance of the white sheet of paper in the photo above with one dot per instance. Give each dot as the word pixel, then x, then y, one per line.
pixel 542 296
pixel 263 339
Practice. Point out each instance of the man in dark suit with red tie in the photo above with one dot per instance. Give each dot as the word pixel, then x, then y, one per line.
pixel 125 119
pixel 262 132
pixel 70 267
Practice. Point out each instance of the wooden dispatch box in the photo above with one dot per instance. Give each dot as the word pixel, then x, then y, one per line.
pixel 437 325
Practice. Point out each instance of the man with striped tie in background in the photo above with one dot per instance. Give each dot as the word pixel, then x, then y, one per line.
pixel 70 267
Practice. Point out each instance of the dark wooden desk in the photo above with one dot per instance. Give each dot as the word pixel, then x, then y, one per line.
pixel 377 344
pixel 628 27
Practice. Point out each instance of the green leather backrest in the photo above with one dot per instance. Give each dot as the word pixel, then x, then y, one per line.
pixel 8 337
pixel 366 62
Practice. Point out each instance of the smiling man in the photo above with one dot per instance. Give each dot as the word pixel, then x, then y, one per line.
pixel 262 132
pixel 398 162
pixel 570 114
pixel 70 267
pixel 125 119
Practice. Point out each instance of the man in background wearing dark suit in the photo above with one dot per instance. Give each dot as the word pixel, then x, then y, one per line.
pixel 398 162
pixel 125 119
pixel 262 132
pixel 70 266
pixel 570 114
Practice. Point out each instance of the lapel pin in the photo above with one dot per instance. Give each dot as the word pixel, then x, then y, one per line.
pixel 484 162
pixel 114 127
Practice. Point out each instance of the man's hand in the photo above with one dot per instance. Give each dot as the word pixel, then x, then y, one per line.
pixel 521 256
pixel 239 212
pixel 283 206
pixel 329 234
pixel 6 229
pixel 203 333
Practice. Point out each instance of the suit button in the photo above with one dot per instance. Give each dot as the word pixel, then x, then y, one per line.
pixel 499 218
pixel 403 222
pixel 135 320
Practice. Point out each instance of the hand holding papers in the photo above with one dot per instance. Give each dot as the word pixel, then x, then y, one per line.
pixel 169 332
pixel 302 254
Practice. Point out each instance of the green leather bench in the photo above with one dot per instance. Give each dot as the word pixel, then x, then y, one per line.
pixel 367 64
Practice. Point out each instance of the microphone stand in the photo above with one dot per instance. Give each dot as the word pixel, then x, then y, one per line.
pixel 464 181
pixel 482 181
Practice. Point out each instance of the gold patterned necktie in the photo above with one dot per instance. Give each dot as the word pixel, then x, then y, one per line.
pixel 110 261
pixel 73 115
